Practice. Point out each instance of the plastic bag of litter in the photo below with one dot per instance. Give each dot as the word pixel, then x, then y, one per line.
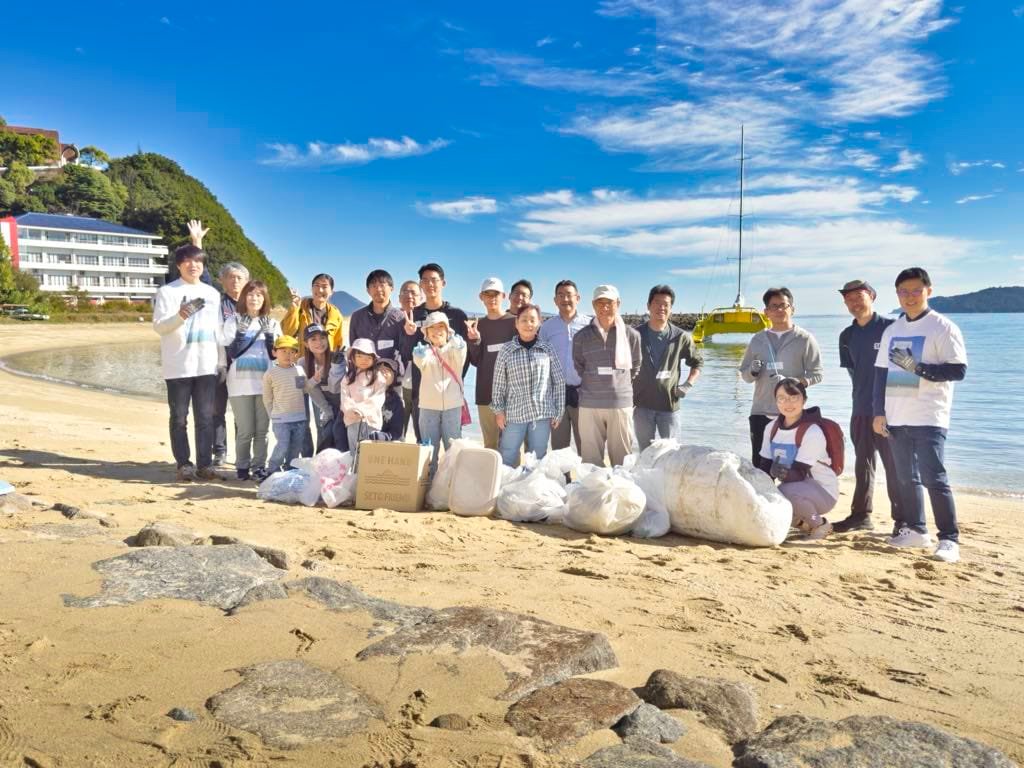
pixel 655 520
pixel 337 480
pixel 604 502
pixel 558 464
pixel 655 451
pixel 293 486
pixel 439 493
pixel 531 498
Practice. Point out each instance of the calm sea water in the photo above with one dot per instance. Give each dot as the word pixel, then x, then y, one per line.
pixel 985 450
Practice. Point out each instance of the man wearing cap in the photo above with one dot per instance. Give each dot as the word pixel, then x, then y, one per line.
pixel 559 331
pixel 315 309
pixel 607 356
pixel 858 350
pixel 378 321
pixel 492 333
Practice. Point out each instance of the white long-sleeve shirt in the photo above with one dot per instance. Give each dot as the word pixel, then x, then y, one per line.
pixel 188 348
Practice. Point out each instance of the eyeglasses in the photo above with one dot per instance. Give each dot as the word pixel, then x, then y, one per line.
pixel 431 280
pixel 786 399
pixel 777 307
pixel 905 292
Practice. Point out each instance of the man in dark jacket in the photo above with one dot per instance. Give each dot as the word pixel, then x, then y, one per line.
pixel 656 389
pixel 379 321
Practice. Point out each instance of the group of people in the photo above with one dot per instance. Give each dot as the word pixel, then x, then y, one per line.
pixel 573 378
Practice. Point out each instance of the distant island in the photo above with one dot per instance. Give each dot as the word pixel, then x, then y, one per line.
pixel 1008 299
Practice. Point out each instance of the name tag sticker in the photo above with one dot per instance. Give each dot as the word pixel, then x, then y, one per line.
pixel 663 375
pixel 605 370
pixel 774 366
pixel 494 347
pixel 385 344
pixel 878 345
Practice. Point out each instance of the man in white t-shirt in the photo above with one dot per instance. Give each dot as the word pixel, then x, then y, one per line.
pixel 919 357
pixel 186 314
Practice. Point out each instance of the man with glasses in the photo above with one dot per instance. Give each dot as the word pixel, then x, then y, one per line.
pixel 378 321
pixel 559 331
pixel 409 298
pixel 783 351
pixel 519 295
pixel 920 356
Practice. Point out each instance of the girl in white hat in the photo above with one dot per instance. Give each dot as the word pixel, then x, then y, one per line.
pixel 441 401
pixel 363 389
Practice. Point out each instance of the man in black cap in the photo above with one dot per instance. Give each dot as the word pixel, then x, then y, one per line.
pixel 858 349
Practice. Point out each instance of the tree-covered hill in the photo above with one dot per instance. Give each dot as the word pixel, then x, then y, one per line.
pixel 1008 299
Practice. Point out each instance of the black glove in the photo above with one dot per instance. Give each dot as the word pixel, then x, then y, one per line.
pixel 243 322
pixel 682 390
pixel 265 321
pixel 756 366
pixel 338 357
pixel 779 470
pixel 903 359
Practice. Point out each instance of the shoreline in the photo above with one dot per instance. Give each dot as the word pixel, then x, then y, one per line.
pixel 7 367
pixel 842 627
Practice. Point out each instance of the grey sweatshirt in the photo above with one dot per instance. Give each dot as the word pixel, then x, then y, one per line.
pixel 602 385
pixel 794 354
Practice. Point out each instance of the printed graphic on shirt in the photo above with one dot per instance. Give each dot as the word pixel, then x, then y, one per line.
pixel 901 383
pixel 784 453
pixel 199 335
pixel 252 364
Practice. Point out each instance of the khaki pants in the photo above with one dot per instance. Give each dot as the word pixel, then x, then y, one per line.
pixel 488 426
pixel 601 427
pixel 568 428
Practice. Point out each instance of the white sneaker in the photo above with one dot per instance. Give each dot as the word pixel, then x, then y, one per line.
pixel 823 530
pixel 907 537
pixel 947 551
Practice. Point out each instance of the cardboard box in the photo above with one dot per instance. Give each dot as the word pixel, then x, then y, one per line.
pixel 392 475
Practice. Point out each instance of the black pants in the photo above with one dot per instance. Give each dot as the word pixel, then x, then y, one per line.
pixel 758 424
pixel 220 423
pixel 865 444
pixel 200 391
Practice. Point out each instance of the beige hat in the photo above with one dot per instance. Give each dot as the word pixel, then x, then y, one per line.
pixel 435 318
pixel 606 292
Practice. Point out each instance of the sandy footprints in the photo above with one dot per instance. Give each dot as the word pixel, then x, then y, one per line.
pixel 12 744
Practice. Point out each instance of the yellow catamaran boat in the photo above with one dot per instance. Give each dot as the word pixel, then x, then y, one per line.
pixel 737 318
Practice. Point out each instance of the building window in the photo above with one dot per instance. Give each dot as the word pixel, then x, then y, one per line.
pixel 58 280
pixel 137 262
pixel 141 282
pixel 31 256
pixel 59 237
pixel 57 258
pixel 32 234
pixel 113 261
pixel 88 258
pixel 82 238
pixel 111 240
pixel 138 242
pixel 88 280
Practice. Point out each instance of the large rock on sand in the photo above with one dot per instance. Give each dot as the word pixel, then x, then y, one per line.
pixel 729 707
pixel 219 576
pixel 534 653
pixel 160 534
pixel 343 597
pixel 564 713
pixel 290 704
pixel 796 741
pixel 636 752
pixel 649 722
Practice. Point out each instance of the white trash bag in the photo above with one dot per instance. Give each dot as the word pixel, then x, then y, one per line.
pixel 655 451
pixel 655 521
pixel 719 496
pixel 439 493
pixel 605 503
pixel 558 464
pixel 292 486
pixel 337 480
pixel 531 498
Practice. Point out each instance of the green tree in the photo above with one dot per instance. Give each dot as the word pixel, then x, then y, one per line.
pixel 94 157
pixel 8 196
pixel 6 274
pixel 30 150
pixel 20 176
pixel 87 192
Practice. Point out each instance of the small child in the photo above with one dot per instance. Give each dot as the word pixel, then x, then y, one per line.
pixel 362 393
pixel 393 412
pixel 440 362
pixel 283 387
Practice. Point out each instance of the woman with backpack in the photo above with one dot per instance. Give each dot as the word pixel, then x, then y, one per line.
pixel 800 450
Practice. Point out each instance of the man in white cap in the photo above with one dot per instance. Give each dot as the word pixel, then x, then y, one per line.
pixel 607 356
pixel 492 333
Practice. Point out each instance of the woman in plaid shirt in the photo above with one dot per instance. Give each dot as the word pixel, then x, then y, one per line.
pixel 528 399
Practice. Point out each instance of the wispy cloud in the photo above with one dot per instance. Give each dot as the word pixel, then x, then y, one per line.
pixel 908 161
pixel 956 168
pixel 1019 11
pixel 320 154
pixel 973 198
pixel 535 72
pixel 559 197
pixel 548 40
pixel 165 20
pixel 460 210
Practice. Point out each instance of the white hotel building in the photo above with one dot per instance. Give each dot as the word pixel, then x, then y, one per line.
pixel 108 261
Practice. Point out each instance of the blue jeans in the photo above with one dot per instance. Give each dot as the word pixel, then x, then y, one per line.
pixel 437 427
pixel 918 454
pixel 646 421
pixel 288 436
pixel 536 434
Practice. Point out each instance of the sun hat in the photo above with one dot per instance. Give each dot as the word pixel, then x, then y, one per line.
pixel 492 284
pixel 606 292
pixel 393 364
pixel 286 342
pixel 312 329
pixel 363 345
pixel 858 285
pixel 435 318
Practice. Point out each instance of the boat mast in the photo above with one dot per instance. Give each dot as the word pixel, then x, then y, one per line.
pixel 739 275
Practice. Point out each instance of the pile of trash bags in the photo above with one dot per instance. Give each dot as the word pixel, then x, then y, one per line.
pixel 690 490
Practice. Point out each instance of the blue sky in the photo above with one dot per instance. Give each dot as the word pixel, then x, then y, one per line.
pixel 596 141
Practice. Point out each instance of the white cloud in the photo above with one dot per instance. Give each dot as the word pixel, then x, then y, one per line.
pixel 548 40
pixel 320 154
pixel 908 161
pixel 998 165
pixel 973 199
pixel 860 158
pixel 533 71
pixel 956 168
pixel 559 197
pixel 460 210
pixel 1018 11
pixel 165 20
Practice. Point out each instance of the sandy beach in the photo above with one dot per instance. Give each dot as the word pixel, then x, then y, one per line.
pixel 831 629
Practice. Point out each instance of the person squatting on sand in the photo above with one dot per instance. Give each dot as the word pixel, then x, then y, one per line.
pixel 919 358
pixel 794 451
pixel 784 350
pixel 248 336
pixel 528 397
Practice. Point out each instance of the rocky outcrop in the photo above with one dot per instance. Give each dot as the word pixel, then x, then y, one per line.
pixel 561 714
pixel 729 707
